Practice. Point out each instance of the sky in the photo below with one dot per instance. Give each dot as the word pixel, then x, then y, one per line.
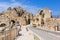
pixel 32 5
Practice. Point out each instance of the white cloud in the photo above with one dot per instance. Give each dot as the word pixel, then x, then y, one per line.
pixel 29 8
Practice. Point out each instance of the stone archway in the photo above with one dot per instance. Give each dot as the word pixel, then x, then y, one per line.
pixel 42 13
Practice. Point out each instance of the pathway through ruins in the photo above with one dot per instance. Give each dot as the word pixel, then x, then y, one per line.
pixel 26 35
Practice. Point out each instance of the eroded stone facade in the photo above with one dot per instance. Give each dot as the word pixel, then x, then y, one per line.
pixel 19 15
pixel 43 19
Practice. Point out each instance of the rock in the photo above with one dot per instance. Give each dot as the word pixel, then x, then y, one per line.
pixel 43 18
pixel 18 14
pixel 4 21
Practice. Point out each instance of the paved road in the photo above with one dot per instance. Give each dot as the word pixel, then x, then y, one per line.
pixel 26 35
pixel 46 35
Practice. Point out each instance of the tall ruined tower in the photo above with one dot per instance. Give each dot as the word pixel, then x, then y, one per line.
pixel 43 18
pixel 47 13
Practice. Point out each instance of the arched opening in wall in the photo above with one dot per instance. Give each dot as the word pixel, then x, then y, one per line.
pixel 51 16
pixel 37 19
pixel 19 13
pixel 58 28
pixel 13 21
pixel 25 17
pixel 2 25
pixel 42 13
pixel 42 22
pixel 1 13
pixel 28 21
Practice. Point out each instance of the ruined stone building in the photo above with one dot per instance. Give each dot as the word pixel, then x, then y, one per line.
pixel 8 28
pixel 43 19
pixel 18 14
pixel 4 21
pixel 8 22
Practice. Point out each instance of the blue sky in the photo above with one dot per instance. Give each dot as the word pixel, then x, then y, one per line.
pixel 32 5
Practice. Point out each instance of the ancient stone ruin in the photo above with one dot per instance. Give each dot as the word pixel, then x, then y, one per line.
pixel 43 19
pixel 9 19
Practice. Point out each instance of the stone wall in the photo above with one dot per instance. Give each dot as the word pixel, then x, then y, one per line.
pixel 43 19
pixel 18 14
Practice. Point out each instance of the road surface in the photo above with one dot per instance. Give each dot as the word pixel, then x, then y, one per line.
pixel 26 35
pixel 46 35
